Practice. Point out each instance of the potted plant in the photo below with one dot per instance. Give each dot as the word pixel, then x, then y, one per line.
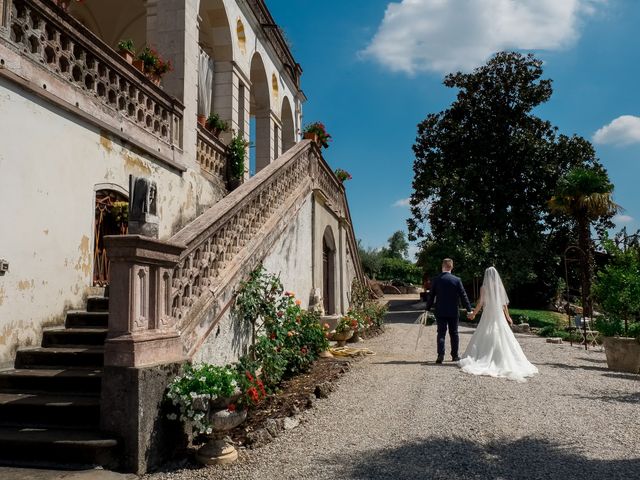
pixel 126 50
pixel 214 399
pixel 216 125
pixel 342 175
pixel 617 290
pixel 153 66
pixel 317 132
pixel 236 155
pixel 344 330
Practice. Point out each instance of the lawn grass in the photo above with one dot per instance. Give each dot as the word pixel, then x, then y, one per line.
pixel 538 318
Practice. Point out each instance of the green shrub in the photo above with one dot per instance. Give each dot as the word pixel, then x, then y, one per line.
pixel 552 331
pixel 290 338
pixel 537 318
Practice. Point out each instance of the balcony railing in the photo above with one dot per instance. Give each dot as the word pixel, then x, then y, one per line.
pixel 52 39
pixel 211 154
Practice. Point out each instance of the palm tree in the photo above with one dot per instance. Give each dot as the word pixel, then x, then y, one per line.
pixel 586 194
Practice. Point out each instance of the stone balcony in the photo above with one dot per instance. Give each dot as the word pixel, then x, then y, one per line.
pixel 48 52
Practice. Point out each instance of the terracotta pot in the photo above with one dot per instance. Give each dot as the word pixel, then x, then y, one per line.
pixel 127 55
pixel 139 64
pixel 202 120
pixel 312 136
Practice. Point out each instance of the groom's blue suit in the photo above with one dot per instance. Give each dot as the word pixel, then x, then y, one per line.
pixel 447 290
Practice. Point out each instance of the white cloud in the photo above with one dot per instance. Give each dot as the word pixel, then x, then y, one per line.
pixel 624 130
pixel 404 202
pixel 623 219
pixel 448 35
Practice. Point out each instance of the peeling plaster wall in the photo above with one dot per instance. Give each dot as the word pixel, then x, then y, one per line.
pixel 49 166
pixel 291 258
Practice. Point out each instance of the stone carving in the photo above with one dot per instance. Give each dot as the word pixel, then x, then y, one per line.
pixel 315 303
pixel 67 49
pixel 143 218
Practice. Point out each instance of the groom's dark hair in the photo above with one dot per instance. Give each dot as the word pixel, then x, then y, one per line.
pixel 447 263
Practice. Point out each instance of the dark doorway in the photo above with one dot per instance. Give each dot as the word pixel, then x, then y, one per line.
pixel 328 272
pixel 111 218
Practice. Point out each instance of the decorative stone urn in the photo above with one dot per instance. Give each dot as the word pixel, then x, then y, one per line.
pixel 342 337
pixel 623 354
pixel 355 338
pixel 217 451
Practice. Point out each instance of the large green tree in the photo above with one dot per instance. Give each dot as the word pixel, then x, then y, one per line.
pixel 484 171
pixel 397 246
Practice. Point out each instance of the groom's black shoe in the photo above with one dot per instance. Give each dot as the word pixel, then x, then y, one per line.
pixel 455 358
pixel 440 359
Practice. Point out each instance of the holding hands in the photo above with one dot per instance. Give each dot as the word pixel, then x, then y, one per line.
pixel 471 315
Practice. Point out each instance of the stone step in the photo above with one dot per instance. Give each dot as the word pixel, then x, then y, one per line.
pixel 86 356
pixel 46 410
pixel 52 380
pixel 98 304
pixel 74 336
pixel 62 448
pixel 83 319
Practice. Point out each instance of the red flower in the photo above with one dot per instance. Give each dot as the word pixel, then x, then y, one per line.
pixel 232 407
pixel 303 351
pixel 273 336
pixel 249 376
pixel 280 314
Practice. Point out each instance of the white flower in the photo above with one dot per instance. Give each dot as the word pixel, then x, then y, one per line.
pixel 193 394
pixel 203 379
pixel 172 416
pixel 209 430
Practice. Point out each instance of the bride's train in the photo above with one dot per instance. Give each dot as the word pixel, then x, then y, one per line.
pixel 493 350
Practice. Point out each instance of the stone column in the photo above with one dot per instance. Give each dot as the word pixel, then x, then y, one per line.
pixel 143 350
pixel 264 140
pixel 172 28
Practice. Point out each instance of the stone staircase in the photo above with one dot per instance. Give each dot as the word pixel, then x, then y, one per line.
pixel 50 402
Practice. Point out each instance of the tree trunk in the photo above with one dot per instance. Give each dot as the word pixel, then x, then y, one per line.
pixel 584 242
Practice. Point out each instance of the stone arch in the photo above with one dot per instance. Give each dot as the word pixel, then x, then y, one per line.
pixel 288 125
pixel 215 31
pixel 260 110
pixel 114 20
pixel 216 40
pixel 329 255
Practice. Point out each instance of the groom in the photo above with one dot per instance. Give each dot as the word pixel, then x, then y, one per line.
pixel 446 290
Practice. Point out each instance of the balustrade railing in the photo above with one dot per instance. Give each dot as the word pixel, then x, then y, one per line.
pixel 211 154
pixel 44 33
pixel 216 237
pixel 166 287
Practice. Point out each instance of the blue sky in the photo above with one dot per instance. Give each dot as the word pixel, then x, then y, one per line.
pixel 373 70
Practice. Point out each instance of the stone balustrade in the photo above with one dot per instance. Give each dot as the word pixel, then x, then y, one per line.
pixel 211 153
pixel 159 290
pixel 118 94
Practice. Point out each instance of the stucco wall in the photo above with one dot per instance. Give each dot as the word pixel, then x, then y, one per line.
pixel 291 259
pixel 49 167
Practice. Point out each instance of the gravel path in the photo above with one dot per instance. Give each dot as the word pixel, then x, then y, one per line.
pixel 397 415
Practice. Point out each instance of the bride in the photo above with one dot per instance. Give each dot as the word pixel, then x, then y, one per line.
pixel 493 349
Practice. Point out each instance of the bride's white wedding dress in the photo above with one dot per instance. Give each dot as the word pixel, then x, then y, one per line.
pixel 493 349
